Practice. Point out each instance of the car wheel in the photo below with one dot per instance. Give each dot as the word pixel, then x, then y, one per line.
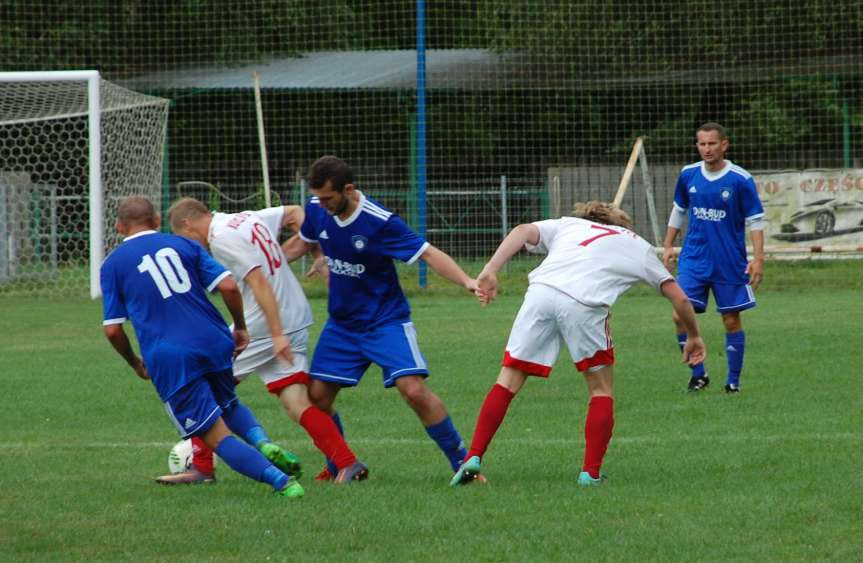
pixel 824 223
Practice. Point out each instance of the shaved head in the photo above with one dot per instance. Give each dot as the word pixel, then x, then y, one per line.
pixel 137 211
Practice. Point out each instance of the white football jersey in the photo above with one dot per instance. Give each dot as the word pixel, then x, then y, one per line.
pixel 248 240
pixel 594 263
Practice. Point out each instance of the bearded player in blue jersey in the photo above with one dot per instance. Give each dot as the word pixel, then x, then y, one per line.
pixel 720 201
pixel 369 317
pixel 159 282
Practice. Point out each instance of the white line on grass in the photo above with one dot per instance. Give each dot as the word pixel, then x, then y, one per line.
pixel 733 438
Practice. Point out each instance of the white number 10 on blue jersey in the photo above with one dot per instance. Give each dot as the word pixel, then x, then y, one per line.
pixel 167 272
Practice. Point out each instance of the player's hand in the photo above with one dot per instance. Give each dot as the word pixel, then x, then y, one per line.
pixel 140 369
pixel 320 268
pixel 694 351
pixel 241 340
pixel 487 291
pixel 282 349
pixel 471 285
pixel 755 269
pixel 668 257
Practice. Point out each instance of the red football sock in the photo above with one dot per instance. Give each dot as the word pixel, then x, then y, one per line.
pixel 325 434
pixel 202 456
pixel 490 417
pixel 597 433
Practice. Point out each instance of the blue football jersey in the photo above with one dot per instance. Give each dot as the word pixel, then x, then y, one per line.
pixel 159 282
pixel 364 290
pixel 719 205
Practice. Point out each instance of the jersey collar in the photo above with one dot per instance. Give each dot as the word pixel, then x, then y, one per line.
pixel 139 234
pixel 354 215
pixel 713 176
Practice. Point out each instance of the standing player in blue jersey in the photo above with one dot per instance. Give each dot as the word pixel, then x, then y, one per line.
pixel 720 201
pixel 369 317
pixel 159 282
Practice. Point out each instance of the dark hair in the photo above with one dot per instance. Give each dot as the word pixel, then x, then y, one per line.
pixel 330 169
pixel 712 126
pixel 136 210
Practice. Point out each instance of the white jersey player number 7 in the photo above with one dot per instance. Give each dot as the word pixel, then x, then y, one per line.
pixel 592 263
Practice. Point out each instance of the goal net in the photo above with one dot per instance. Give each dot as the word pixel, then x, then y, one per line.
pixel 71 147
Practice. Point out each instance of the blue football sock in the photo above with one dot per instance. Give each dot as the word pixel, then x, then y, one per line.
pixel 449 441
pixel 245 459
pixel 243 423
pixel 735 345
pixel 330 465
pixel 697 369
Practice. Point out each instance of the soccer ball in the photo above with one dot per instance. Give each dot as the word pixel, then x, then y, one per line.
pixel 180 457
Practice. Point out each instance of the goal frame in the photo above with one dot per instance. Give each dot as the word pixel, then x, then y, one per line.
pixel 94 115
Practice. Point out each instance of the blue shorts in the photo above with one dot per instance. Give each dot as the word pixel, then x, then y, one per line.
pixel 196 406
pixel 729 297
pixel 342 356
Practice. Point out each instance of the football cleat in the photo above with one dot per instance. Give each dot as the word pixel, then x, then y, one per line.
pixel 324 475
pixel 354 472
pixel 698 383
pixel 468 472
pixel 585 480
pixel 292 490
pixel 732 388
pixel 282 458
pixel 189 477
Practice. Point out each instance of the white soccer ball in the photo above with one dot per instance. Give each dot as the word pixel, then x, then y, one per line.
pixel 180 457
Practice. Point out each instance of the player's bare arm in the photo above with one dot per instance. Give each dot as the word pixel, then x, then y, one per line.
pixel 694 351
pixel 526 233
pixel 295 248
pixel 755 267
pixel 269 306
pixel 446 267
pixel 234 302
pixel 116 335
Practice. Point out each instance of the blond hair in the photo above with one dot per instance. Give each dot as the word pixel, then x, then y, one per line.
pixel 183 209
pixel 601 212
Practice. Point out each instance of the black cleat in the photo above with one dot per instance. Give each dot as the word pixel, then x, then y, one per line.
pixel 698 383
pixel 732 388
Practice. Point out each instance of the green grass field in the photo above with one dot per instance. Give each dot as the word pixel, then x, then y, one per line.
pixel 771 474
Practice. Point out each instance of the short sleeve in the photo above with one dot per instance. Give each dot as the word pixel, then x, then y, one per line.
pixel 308 230
pixel 113 305
pixel 398 241
pixel 209 272
pixel 547 231
pixel 655 273
pixel 681 195
pixel 752 208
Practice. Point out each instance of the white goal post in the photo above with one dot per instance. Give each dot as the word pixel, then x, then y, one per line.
pixel 71 146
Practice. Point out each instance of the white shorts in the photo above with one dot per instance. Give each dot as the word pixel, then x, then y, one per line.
pixel 548 316
pixel 258 358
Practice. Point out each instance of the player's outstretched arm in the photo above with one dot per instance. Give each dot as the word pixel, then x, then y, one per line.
pixel 694 351
pixel 295 247
pixel 446 267
pixel 120 342
pixel 526 233
pixel 293 217
pixel 234 302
